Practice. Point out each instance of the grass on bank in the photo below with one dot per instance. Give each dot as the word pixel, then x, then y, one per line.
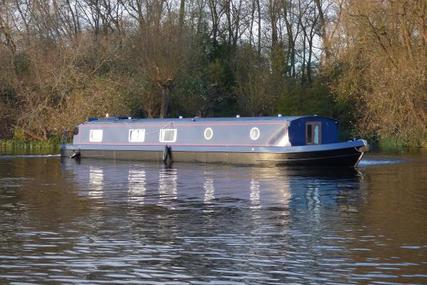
pixel 388 144
pixel 13 146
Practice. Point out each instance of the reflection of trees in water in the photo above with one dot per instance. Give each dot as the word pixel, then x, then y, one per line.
pixel 394 219
pixel 46 195
pixel 44 208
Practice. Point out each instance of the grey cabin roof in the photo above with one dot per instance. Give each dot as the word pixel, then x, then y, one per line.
pixel 197 119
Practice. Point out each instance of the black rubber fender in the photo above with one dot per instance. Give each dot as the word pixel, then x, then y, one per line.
pixel 75 155
pixel 167 155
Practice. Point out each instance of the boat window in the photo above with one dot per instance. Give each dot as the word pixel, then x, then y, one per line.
pixel 136 135
pixel 95 135
pixel 208 134
pixel 254 133
pixel 313 133
pixel 167 135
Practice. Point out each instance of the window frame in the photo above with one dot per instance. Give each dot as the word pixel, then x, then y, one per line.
pixel 208 138
pixel 255 138
pixel 93 138
pixel 139 131
pixel 313 125
pixel 162 135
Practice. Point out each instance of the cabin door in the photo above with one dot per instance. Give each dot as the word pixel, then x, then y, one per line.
pixel 313 131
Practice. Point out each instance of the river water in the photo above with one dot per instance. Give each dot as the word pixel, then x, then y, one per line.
pixel 117 222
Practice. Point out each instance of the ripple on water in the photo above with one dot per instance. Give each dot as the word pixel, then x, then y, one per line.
pixel 379 161
pixel 26 156
pixel 12 182
pixel 120 222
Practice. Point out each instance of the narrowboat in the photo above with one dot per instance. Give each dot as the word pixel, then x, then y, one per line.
pixel 279 140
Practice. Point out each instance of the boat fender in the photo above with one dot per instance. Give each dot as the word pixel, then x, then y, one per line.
pixel 75 155
pixel 167 155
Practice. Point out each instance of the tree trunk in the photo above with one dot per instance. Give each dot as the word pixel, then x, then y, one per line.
pixel 259 28
pixel 166 89
pixel 251 26
pixel 323 34
pixel 181 15
pixel 164 103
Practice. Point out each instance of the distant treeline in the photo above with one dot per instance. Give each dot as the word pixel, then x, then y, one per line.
pixel 363 62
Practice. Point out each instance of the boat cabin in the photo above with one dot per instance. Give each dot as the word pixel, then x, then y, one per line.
pixel 280 131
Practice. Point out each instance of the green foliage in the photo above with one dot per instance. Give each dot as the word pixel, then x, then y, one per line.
pixel 392 144
pixel 189 96
pixel 220 81
pixel 298 99
pixel 19 135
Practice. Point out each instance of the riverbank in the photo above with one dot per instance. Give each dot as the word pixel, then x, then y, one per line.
pixel 392 145
pixel 29 147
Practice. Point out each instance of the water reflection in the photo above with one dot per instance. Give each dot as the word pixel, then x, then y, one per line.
pixel 209 188
pixel 167 185
pixel 255 194
pixel 136 191
pixel 109 221
pixel 265 187
pixel 313 200
pixel 96 181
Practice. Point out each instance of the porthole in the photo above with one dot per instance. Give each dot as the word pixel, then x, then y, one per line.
pixel 254 133
pixel 208 134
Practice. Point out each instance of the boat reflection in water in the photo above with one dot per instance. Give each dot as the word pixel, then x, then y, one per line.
pixel 96 182
pixel 236 217
pixel 137 181
pixel 209 188
pixel 210 185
